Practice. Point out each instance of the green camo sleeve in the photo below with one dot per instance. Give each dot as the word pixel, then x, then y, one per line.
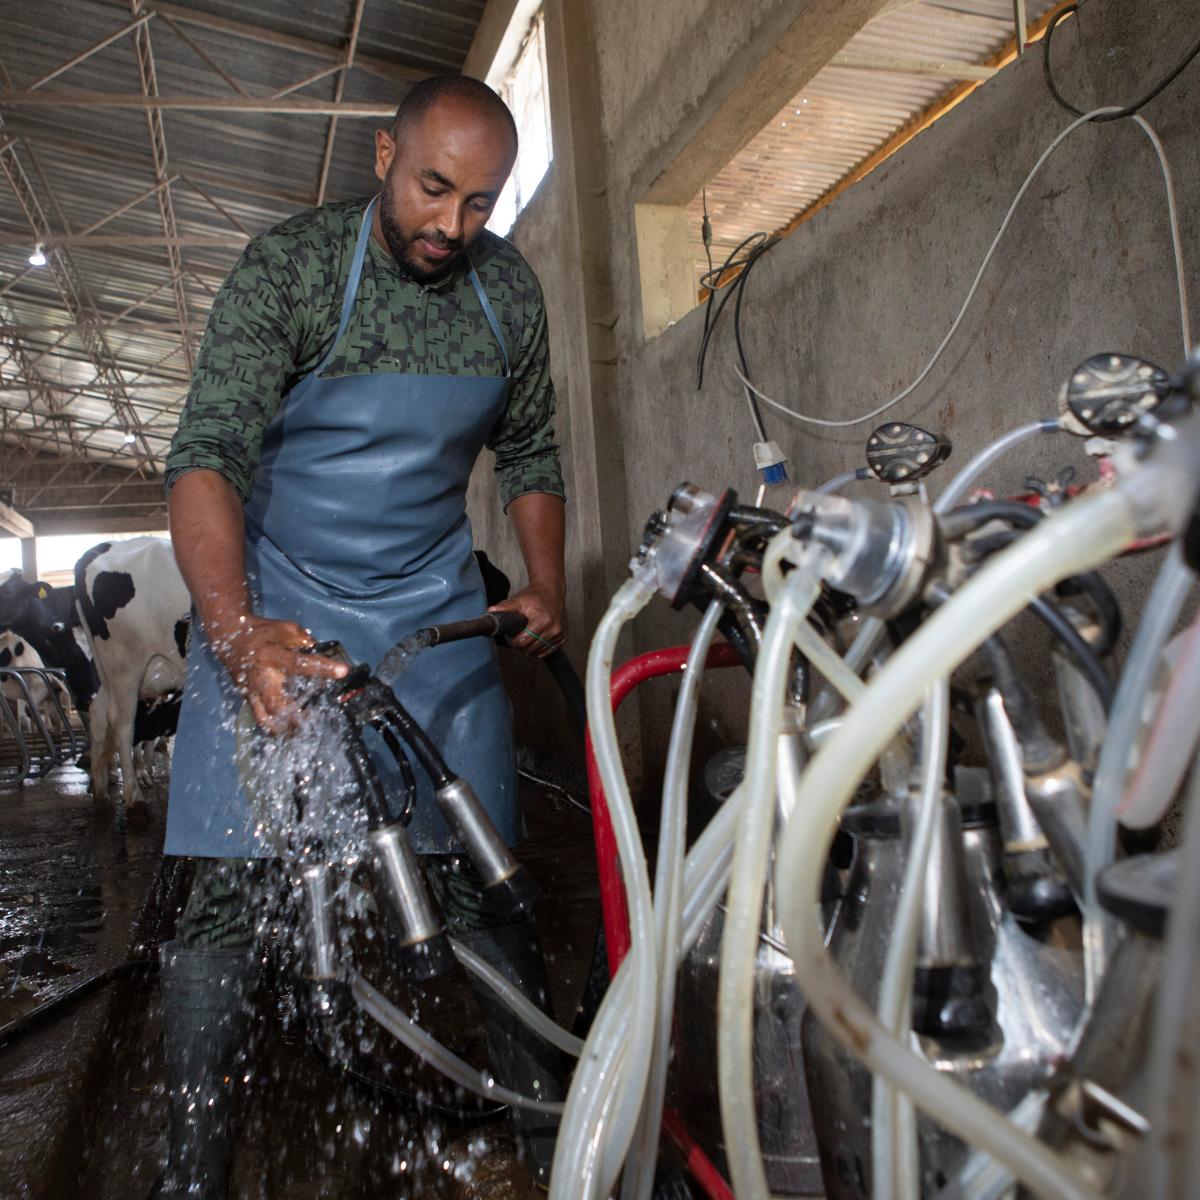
pixel 523 440
pixel 246 363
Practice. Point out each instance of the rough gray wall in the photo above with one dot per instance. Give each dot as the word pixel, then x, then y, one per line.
pixel 538 712
pixel 850 307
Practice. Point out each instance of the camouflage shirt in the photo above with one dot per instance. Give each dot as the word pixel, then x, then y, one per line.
pixel 277 313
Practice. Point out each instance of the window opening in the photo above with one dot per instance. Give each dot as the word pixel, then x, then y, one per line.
pixel 525 91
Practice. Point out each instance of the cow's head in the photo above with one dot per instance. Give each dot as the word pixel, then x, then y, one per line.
pixel 16 595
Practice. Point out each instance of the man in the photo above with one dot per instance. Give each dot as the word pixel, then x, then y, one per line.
pixel 355 363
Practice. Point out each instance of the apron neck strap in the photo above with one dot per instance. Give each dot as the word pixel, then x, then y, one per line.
pixel 485 304
pixel 360 254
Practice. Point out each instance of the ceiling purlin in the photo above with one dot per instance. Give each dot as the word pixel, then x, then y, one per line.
pixel 73 292
pixel 36 386
pixel 166 205
pixel 339 91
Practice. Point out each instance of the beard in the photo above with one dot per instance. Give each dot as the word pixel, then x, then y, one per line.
pixel 401 244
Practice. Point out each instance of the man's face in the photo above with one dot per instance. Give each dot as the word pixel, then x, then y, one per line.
pixel 441 179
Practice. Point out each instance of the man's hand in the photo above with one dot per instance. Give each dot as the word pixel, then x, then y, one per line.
pixel 261 655
pixel 544 610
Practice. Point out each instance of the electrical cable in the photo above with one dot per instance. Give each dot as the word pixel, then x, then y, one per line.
pixel 904 393
pixel 712 281
pixel 1120 113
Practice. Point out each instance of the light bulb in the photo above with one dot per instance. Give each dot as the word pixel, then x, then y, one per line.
pixel 130 439
pixel 37 258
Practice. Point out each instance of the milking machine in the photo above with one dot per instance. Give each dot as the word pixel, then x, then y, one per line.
pixel 929 1010
pixel 321 805
pixel 978 997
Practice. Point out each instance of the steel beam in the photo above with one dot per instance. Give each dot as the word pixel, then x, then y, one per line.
pixel 339 91
pixel 77 301
pixel 83 55
pixel 120 240
pixel 296 106
pixel 166 205
pixel 385 69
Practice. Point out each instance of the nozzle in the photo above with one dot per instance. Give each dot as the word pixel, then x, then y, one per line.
pixel 506 882
pixel 418 941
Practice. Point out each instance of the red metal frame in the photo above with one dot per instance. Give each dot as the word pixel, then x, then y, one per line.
pixel 612 892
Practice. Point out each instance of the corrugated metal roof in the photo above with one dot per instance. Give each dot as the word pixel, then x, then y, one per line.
pixel 247 169
pixel 847 113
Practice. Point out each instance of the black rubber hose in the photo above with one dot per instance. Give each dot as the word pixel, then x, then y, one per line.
pixel 1090 583
pixel 961 521
pixel 28 1021
pixel 369 786
pixel 736 637
pixel 492 624
pixel 1108 611
pixel 407 778
pixel 401 720
pixel 1075 645
pixel 571 687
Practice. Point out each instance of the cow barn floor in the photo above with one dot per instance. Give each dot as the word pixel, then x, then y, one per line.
pixel 81 1109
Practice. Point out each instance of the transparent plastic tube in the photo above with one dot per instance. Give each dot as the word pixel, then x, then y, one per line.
pixel 1171 744
pixel 517 1002
pixel 830 486
pixel 627 1070
pixel 961 484
pixel 1172 1045
pixel 1170 589
pixel 705 874
pixel 378 1006
pixel 668 904
pixel 756 816
pixel 894 1153
pixel 1081 536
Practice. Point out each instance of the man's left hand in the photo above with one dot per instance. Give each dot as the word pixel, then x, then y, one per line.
pixel 544 610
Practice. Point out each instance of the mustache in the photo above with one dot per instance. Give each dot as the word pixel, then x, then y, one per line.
pixel 438 239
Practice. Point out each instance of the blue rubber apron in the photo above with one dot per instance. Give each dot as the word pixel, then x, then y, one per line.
pixel 357 530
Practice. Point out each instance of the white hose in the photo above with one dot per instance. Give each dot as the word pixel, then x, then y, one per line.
pixel 894 1154
pixel 705 873
pixel 628 1070
pixel 756 815
pixel 1172 1045
pixel 1081 536
pixel 1171 588
pixel 517 1002
pixel 668 904
pixel 376 1005
pixel 961 484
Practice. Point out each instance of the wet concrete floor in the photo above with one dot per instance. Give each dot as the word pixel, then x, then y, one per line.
pixel 81 1097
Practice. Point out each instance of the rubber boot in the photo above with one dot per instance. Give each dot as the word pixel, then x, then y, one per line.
pixel 520 1059
pixel 205 997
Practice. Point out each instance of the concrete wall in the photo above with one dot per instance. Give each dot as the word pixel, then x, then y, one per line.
pixel 849 307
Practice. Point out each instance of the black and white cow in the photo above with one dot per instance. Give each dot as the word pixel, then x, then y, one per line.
pixel 45 617
pixel 136 612
pixel 16 654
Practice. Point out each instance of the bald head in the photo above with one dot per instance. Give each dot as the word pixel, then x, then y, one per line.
pixel 458 90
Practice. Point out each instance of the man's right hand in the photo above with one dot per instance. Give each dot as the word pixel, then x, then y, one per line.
pixel 261 655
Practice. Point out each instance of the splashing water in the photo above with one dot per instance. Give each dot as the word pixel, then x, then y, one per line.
pixel 400 657
pixel 304 792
